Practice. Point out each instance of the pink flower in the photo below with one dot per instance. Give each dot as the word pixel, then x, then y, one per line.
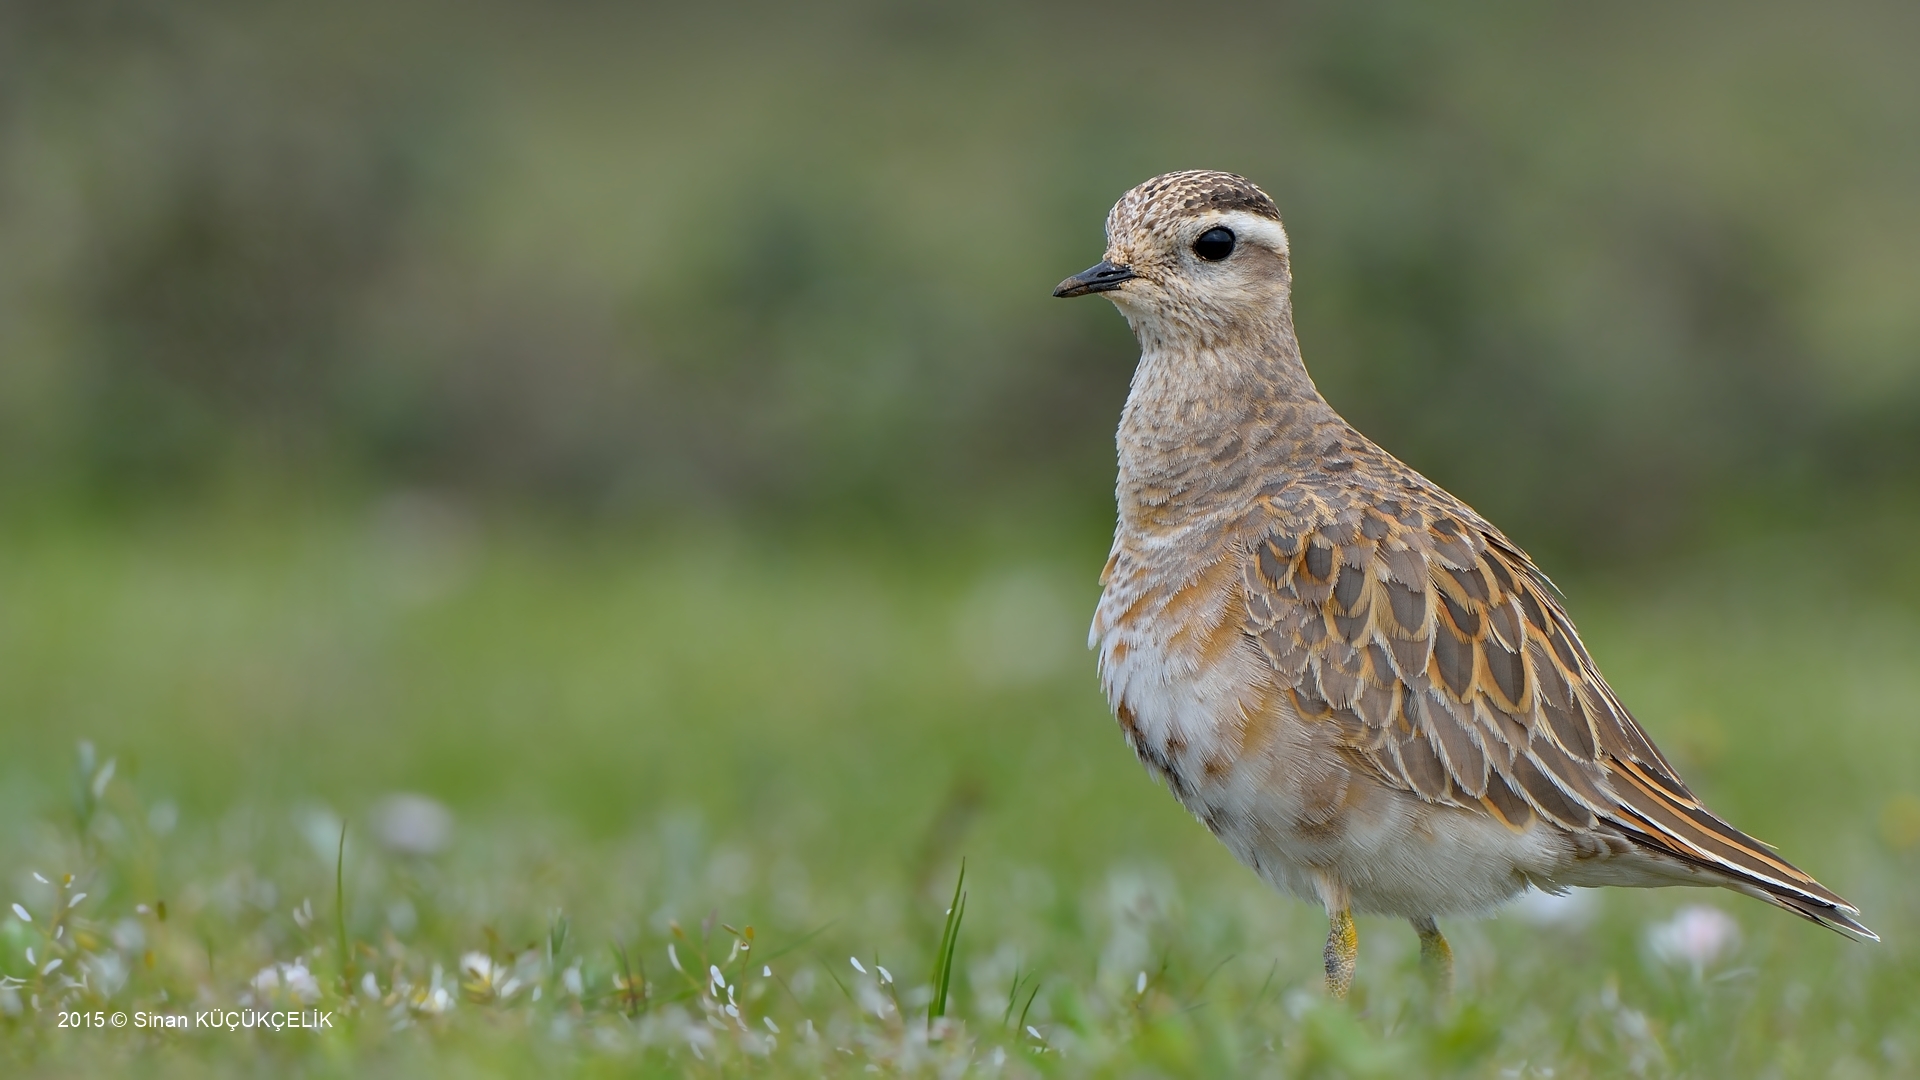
pixel 1696 936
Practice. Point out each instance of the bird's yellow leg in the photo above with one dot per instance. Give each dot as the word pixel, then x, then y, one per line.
pixel 1436 956
pixel 1343 950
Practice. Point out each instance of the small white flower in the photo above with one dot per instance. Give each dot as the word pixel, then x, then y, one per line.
pixel 300 982
pixel 488 977
pixel 41 880
pixel 1697 936
pixel 885 975
pixel 267 980
pixel 715 981
pixel 477 965
pixel 1035 1032
pixel 854 959
pixel 21 911
pixel 77 897
pixel 370 986
pixel 766 971
pixel 434 1001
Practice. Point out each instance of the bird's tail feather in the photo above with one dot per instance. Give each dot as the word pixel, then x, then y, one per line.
pixel 1839 919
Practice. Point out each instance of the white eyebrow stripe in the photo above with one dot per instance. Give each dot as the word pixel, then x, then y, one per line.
pixel 1248 225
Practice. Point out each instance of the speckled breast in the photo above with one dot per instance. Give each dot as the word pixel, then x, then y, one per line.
pixel 1193 696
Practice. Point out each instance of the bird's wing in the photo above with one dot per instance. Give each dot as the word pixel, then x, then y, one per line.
pixel 1440 648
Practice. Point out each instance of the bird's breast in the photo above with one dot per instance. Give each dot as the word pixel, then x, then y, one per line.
pixel 1194 698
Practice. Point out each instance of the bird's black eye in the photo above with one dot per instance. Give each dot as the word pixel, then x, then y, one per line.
pixel 1214 244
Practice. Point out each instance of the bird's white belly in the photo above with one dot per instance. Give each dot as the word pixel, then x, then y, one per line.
pixel 1287 801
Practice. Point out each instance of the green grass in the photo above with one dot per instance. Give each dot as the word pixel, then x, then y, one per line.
pixel 771 757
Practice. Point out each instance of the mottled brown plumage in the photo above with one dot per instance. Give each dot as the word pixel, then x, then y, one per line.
pixel 1352 678
pixel 1388 608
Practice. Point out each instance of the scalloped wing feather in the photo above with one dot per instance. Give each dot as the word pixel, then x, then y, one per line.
pixel 1444 655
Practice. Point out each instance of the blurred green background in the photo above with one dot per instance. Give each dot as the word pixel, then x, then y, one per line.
pixel 589 412
pixel 1600 271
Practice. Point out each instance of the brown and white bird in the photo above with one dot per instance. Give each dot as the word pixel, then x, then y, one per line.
pixel 1353 680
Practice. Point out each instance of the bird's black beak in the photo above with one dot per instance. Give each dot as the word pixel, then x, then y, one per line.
pixel 1097 278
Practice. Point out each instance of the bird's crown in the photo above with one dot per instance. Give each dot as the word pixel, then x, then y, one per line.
pixel 1152 205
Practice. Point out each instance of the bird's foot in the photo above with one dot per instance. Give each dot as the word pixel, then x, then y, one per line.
pixel 1436 956
pixel 1343 951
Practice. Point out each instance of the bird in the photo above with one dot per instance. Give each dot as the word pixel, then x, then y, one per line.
pixel 1370 694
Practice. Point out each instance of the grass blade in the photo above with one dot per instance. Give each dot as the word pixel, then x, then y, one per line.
pixel 340 911
pixel 949 942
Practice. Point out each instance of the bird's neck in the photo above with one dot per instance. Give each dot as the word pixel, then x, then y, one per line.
pixel 1211 417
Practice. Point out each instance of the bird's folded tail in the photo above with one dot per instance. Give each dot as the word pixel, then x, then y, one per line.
pixel 1662 814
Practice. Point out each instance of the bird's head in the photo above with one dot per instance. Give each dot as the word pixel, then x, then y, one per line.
pixel 1193 257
